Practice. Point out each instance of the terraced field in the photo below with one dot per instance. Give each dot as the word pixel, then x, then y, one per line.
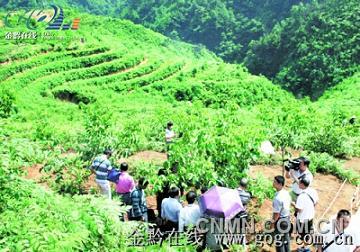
pixel 45 75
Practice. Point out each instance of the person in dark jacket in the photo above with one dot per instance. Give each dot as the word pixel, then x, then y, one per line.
pixel 245 196
pixel 138 211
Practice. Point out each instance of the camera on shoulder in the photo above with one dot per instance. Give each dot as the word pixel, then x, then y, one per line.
pixel 293 165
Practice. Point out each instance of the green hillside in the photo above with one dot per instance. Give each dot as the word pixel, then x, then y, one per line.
pixel 305 46
pixel 344 95
pixel 191 21
pixel 312 50
pixel 113 83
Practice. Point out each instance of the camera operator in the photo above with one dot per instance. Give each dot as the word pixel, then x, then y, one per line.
pixel 297 170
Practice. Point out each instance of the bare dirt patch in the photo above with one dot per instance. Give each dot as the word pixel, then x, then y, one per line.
pixel 149 156
pixel 353 164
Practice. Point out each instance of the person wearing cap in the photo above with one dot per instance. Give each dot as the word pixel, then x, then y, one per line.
pixel 305 210
pixel 281 215
pixel 296 175
pixel 101 167
pixel 245 196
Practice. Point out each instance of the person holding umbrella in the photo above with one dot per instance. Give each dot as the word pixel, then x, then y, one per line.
pixel 219 204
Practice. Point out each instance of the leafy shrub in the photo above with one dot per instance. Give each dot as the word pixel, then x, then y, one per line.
pixel 323 162
pixel 261 188
pixel 96 136
pixel 329 139
pixel 50 222
pixel 6 103
pixel 72 96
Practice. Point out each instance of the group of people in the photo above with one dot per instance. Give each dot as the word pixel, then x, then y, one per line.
pixel 303 198
pixel 173 215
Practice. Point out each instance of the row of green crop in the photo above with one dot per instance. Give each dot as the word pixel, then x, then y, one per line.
pixel 108 81
pixel 96 71
pixel 325 163
pixel 247 92
pixel 122 76
pixel 84 90
pixel 21 52
pixel 224 72
pixel 22 66
pixel 62 65
pixel 160 74
pixel 73 96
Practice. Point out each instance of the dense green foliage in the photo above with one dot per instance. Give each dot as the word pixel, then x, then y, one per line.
pixel 35 219
pixel 312 50
pixel 6 103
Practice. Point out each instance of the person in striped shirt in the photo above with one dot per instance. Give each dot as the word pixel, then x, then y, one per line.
pixel 100 167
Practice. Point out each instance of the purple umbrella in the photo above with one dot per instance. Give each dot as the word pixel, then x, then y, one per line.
pixel 221 202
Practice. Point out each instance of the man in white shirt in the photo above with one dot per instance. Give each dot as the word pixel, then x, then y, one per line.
pixel 305 210
pixel 169 133
pixel 281 214
pixel 339 237
pixel 190 214
pixel 170 210
pixel 296 175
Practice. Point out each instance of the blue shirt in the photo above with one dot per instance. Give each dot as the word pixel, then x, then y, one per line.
pixel 170 209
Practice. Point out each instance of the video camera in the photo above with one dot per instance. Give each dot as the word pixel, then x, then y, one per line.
pixel 293 165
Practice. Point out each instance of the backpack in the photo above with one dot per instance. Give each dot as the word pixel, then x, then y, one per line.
pixel 113 175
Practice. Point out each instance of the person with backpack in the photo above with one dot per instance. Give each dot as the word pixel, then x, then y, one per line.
pixel 138 211
pixel 101 167
pixel 337 236
pixel 305 210
pixel 125 184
